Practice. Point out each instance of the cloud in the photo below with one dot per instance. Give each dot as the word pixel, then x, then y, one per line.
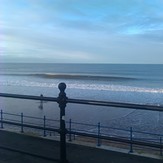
pixel 155 36
pixel 96 30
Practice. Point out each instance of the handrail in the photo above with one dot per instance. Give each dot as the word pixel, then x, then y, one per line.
pixel 87 102
pixel 116 104
pixel 28 97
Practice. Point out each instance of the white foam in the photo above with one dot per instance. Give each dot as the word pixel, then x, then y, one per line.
pixel 117 88
pixel 81 86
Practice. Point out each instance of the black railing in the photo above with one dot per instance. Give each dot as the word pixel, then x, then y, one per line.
pixel 96 131
pixel 62 100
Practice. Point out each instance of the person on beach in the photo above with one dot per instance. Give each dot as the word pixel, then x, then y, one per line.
pixel 41 103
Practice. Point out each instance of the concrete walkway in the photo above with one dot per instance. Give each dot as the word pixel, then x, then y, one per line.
pixel 32 147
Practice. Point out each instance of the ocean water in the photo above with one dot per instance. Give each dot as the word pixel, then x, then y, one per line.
pixel 142 84
pixel 113 82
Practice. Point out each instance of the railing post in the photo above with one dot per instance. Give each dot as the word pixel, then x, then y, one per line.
pixel 44 126
pixel 62 100
pixel 98 132
pixel 22 130
pixel 160 146
pixel 1 118
pixel 70 139
pixel 131 134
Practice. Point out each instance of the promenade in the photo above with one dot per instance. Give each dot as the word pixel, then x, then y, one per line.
pixel 21 148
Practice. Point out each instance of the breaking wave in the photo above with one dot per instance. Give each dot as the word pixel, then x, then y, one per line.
pixel 75 76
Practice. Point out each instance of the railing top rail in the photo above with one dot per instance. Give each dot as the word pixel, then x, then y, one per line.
pixel 117 104
pixel 28 97
pixel 87 102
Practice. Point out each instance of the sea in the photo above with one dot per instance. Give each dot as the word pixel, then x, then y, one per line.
pixel 131 83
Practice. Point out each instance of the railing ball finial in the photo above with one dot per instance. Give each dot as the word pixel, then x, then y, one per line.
pixel 62 87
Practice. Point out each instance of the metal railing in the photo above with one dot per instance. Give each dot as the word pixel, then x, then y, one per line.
pixel 62 100
pixel 48 126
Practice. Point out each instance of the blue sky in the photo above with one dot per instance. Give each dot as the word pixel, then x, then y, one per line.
pixel 78 31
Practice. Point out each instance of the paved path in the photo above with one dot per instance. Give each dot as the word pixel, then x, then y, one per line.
pixel 49 150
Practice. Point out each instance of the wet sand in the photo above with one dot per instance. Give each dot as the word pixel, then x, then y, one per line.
pixel 140 120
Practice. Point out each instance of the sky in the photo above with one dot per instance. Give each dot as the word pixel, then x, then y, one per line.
pixel 81 31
